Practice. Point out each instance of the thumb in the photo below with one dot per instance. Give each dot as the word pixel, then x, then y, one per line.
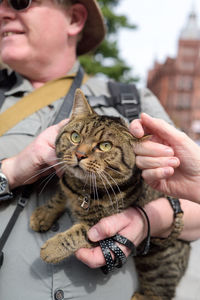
pixel 109 226
pixel 160 128
pixel 61 124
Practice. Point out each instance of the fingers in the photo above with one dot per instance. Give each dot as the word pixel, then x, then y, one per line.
pixel 149 148
pixel 109 226
pixel 93 258
pixel 136 128
pixel 156 175
pixel 161 128
pixel 129 223
pixel 145 162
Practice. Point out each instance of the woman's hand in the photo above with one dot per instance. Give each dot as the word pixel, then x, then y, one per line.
pixel 131 224
pixel 170 160
pixel 30 164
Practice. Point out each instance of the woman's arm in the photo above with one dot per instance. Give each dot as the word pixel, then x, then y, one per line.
pixel 132 225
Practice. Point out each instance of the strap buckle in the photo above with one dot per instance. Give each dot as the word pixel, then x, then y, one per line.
pixel 22 201
pixel 127 98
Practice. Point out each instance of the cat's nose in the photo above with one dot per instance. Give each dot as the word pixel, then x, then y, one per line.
pixel 80 155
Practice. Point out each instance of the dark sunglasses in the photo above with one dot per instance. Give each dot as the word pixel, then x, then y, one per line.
pixel 18 4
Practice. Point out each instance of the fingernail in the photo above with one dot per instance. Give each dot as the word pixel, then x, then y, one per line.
pixel 173 161
pixel 137 132
pixel 93 234
pixel 168 171
pixel 169 151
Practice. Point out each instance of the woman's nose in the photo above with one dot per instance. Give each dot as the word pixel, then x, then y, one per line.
pixel 6 10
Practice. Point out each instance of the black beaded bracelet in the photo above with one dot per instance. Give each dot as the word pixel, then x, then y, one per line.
pixel 177 224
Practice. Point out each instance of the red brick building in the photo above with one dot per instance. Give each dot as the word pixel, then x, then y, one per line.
pixel 176 82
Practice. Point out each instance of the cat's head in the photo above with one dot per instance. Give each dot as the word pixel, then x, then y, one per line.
pixel 91 144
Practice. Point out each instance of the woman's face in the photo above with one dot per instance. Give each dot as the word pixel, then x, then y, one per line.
pixel 36 34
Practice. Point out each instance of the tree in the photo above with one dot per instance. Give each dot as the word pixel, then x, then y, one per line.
pixel 106 58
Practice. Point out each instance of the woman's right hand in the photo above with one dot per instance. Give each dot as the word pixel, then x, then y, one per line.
pixel 29 165
pixel 170 160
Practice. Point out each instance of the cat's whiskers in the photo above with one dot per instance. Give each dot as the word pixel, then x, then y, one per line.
pixel 111 187
pixel 101 177
pixel 47 179
pixel 96 189
pixel 114 170
pixel 56 159
pixel 86 178
pixel 116 184
pixel 43 171
pixel 90 182
pixel 62 169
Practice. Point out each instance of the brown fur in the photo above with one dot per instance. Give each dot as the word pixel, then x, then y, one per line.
pixel 98 183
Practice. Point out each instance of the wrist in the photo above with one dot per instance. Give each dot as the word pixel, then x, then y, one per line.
pixel 161 217
pixel 8 168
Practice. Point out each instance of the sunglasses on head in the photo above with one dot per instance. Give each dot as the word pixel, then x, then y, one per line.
pixel 18 4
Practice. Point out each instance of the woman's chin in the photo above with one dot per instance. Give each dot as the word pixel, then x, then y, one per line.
pixel 11 58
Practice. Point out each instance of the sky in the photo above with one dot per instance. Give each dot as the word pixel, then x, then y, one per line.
pixel 159 25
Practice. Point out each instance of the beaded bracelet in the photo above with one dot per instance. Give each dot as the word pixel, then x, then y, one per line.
pixel 177 224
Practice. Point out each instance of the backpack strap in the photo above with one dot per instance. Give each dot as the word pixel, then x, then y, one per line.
pixel 21 203
pixel 66 107
pixel 125 98
pixel 6 82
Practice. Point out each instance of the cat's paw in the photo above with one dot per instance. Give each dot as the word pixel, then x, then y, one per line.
pixel 55 250
pixel 41 220
pixel 138 296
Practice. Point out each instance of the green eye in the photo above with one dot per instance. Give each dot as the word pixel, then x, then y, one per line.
pixel 75 137
pixel 105 146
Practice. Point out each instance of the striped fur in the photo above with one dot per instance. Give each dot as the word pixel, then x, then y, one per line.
pixel 98 182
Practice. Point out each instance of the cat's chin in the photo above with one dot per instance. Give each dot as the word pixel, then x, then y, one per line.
pixel 77 172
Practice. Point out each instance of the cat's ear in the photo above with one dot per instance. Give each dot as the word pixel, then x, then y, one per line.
pixel 142 139
pixel 133 140
pixel 81 107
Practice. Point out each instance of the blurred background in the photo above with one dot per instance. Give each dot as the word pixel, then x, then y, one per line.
pixel 166 56
pixel 156 43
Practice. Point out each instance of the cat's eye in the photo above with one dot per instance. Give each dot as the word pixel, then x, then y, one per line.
pixel 105 146
pixel 75 137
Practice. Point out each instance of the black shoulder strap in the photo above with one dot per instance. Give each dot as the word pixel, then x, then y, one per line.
pixel 6 82
pixel 21 203
pixel 66 107
pixel 125 98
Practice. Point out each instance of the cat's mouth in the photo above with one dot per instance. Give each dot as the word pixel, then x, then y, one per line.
pixel 77 167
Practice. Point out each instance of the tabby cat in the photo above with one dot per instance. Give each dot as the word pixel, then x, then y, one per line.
pixel 101 179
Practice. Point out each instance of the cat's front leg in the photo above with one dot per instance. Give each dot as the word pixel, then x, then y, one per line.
pixel 44 216
pixel 66 243
pixel 138 296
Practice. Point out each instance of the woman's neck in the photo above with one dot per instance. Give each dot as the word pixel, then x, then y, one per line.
pixel 39 73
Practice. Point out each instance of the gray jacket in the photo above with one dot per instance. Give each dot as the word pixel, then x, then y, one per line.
pixel 24 275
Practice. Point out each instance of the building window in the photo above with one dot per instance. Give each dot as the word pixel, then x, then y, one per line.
pixel 183 101
pixel 188 51
pixel 185 83
pixel 187 66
